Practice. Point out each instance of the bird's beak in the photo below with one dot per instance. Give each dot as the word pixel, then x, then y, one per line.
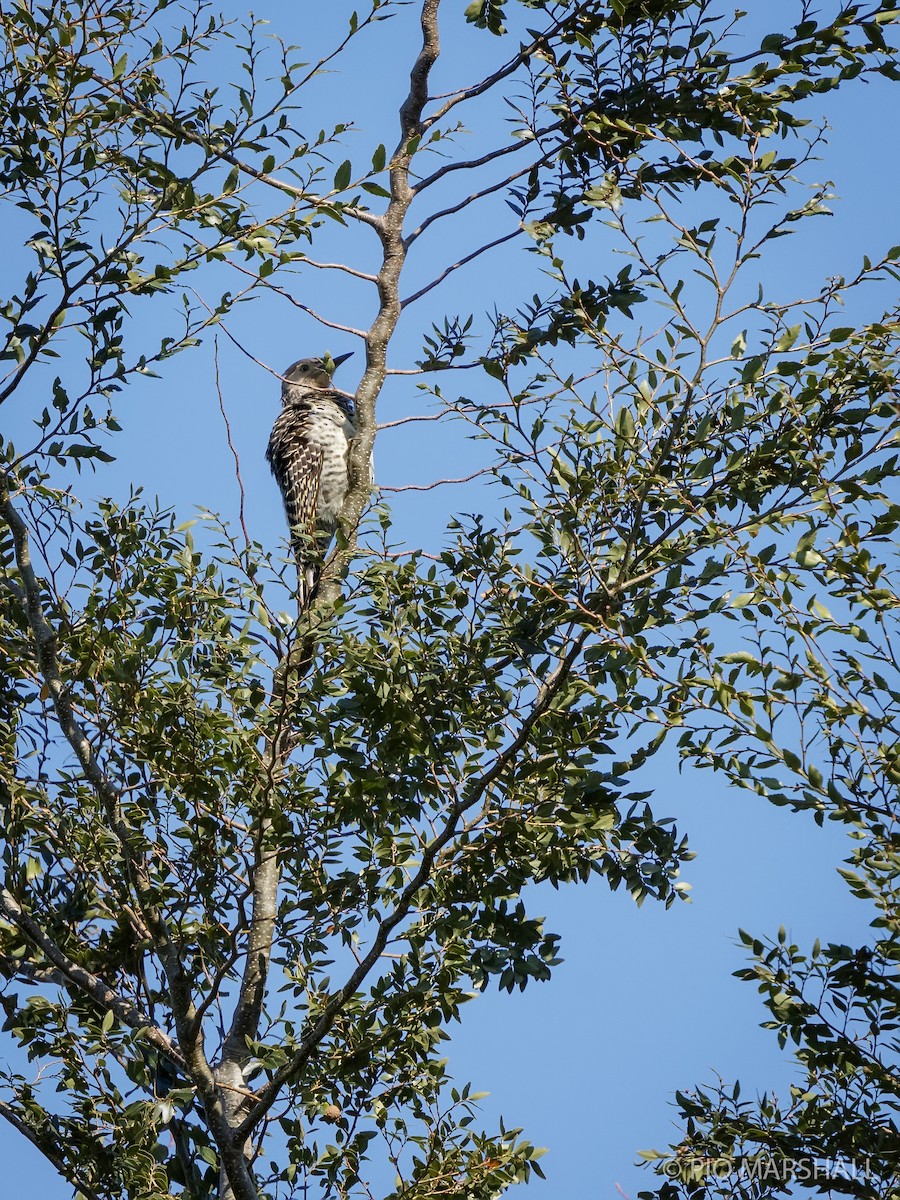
pixel 341 358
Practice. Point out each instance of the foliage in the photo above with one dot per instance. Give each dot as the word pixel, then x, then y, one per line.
pixel 255 865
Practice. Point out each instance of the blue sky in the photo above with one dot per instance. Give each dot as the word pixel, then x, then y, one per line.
pixel 644 1002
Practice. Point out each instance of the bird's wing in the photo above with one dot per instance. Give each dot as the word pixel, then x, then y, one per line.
pixel 297 467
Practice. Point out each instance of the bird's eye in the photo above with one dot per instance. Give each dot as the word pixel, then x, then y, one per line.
pixel 305 367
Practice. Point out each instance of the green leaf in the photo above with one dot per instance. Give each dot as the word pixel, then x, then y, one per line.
pixel 752 371
pixel 787 339
pixel 343 175
pixel 625 424
pixel 493 368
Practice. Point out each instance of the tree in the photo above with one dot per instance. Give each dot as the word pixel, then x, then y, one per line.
pixel 254 865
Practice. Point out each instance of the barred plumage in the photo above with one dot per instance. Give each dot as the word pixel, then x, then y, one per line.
pixel 307 452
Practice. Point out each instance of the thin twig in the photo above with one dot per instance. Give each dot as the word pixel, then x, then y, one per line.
pixel 507 237
pixel 382 425
pixel 489 190
pixel 330 266
pixel 427 487
pixel 283 292
pixel 231 447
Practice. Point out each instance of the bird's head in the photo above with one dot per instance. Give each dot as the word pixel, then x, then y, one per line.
pixel 314 372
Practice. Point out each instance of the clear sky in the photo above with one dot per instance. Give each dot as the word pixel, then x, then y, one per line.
pixel 645 1001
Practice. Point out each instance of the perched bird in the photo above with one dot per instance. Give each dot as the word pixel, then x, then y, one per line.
pixel 307 452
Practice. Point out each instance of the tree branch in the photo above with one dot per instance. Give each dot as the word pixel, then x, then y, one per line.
pixel 489 190
pixel 476 790
pixel 427 487
pixel 390 232
pixel 471 164
pixel 423 291
pixel 56 1160
pixel 245 1022
pixel 45 644
pixel 506 70
pixel 86 981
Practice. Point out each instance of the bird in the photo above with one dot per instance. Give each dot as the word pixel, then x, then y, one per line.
pixel 307 452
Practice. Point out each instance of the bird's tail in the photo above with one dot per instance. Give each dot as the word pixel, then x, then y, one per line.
pixel 308 575
pixel 310 550
pixel 308 554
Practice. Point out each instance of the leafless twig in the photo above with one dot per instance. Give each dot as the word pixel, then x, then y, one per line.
pixel 423 291
pixel 427 487
pixel 231 447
